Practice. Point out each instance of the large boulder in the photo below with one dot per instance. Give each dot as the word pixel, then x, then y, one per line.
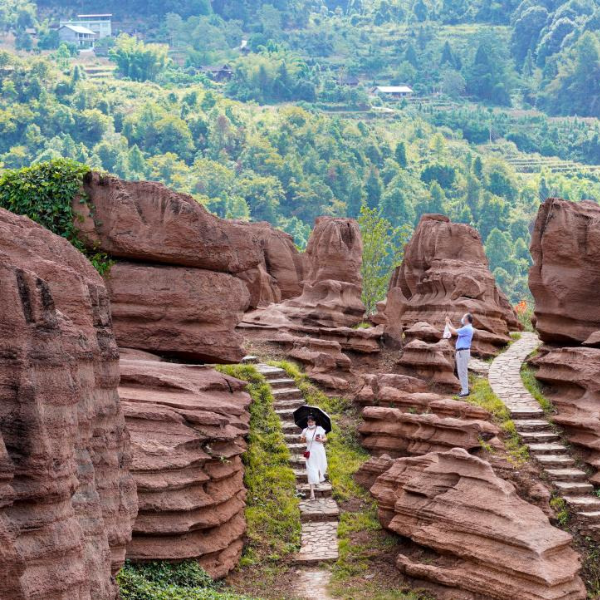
pixel 187 426
pixel 490 544
pixel 572 382
pixel 178 311
pixel 68 499
pixel 445 273
pixel 565 276
pixel 146 221
pixel 280 273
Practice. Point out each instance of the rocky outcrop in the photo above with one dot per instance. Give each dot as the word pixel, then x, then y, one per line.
pixel 181 280
pixel 445 272
pixel 565 275
pixel 68 499
pixel 432 362
pixel 187 427
pixel 564 281
pixel 147 222
pixel 177 311
pixel 402 418
pixel 396 433
pixel 488 542
pixel 316 326
pixel 572 382
pixel 280 273
pixel 331 293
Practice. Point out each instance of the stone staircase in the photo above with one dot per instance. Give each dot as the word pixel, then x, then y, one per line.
pixel 540 437
pixel 319 517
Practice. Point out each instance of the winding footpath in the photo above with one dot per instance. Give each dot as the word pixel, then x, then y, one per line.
pixel 319 518
pixel 539 435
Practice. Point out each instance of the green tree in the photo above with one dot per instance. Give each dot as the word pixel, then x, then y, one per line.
pixel 383 250
pixel 498 248
pixel 373 188
pixel 137 60
pixel 400 154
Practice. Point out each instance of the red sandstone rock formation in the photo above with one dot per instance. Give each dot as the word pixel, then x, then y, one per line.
pixel 491 544
pixel 445 272
pixel 175 287
pixel 573 379
pixel 280 273
pixel 432 362
pixel 67 496
pixel 565 276
pixel 315 327
pixel 146 221
pixel 187 427
pixel 332 285
pixel 396 433
pixel 177 311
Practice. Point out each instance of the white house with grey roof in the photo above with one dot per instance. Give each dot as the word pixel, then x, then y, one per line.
pixel 82 37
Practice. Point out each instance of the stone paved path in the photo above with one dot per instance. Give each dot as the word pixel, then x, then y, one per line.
pixel 536 431
pixel 320 517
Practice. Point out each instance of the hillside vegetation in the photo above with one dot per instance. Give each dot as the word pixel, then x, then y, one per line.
pixel 286 140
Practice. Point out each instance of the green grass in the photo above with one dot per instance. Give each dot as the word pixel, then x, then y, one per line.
pixel 533 387
pixel 272 506
pixel 482 395
pixel 166 581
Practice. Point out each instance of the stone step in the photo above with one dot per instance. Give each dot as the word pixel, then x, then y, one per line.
pixel 555 460
pixel 288 426
pixel 292 438
pixel 530 437
pixel 583 503
pixel 319 543
pixel 301 475
pixel 278 384
pixel 573 488
pixel 297 461
pixel 285 414
pixel 590 516
pixel 323 491
pixel 532 425
pixel 536 449
pixel 591 531
pixel 526 413
pixel 270 373
pixel 288 394
pixel 321 509
pixel 293 404
pixel 297 448
pixel 566 474
pixel 250 360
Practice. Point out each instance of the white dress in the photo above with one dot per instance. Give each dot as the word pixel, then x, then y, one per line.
pixel 316 465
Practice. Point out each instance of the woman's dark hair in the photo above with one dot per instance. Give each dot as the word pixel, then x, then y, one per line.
pixel 311 418
pixel 469 318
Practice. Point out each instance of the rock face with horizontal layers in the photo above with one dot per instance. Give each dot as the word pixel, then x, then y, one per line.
pixel 68 499
pixel 564 281
pixel 402 418
pixel 180 283
pixel 491 543
pixel 187 427
pixel 565 276
pixel 445 272
pixel 177 311
pixel 572 379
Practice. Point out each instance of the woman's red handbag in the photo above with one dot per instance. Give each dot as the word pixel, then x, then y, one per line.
pixel 307 454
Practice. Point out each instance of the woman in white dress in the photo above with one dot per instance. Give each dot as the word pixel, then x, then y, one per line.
pixel 316 463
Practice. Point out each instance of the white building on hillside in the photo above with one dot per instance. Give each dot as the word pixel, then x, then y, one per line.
pixel 82 37
pixel 393 91
pixel 101 25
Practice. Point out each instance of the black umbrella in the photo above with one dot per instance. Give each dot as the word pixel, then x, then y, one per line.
pixel 321 417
